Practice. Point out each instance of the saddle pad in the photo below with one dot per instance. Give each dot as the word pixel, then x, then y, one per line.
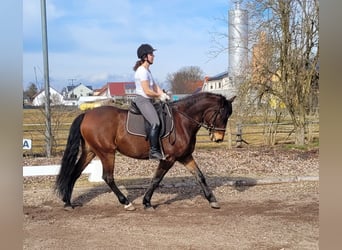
pixel 135 124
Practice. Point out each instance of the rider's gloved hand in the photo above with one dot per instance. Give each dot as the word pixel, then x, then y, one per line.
pixel 164 97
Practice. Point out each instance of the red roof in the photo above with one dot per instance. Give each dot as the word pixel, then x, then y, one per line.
pixel 198 84
pixel 117 88
pixel 100 91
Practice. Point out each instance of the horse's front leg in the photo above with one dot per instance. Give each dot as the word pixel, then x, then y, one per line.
pixel 158 176
pixel 192 166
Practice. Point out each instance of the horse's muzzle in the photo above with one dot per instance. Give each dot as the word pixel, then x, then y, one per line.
pixel 216 136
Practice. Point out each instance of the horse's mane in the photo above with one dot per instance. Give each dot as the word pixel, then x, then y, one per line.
pixel 212 98
pixel 194 98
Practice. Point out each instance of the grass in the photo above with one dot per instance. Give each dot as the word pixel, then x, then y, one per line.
pixel 34 128
pixel 311 145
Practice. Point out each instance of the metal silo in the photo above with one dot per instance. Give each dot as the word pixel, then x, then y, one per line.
pixel 238 42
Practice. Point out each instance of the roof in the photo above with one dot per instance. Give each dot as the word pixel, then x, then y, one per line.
pixel 199 89
pixel 118 88
pixel 218 76
pixel 51 89
pixel 101 90
pixel 130 85
pixel 198 84
pixel 71 87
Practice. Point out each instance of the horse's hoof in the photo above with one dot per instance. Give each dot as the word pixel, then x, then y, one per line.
pixel 69 206
pixel 149 208
pixel 129 207
pixel 214 205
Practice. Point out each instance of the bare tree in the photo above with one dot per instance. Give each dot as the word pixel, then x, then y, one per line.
pixel 185 80
pixel 288 63
pixel 31 91
pixel 285 60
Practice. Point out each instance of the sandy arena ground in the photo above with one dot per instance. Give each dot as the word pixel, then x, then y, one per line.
pixel 273 216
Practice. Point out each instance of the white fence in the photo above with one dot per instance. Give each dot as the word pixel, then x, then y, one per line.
pixel 94 169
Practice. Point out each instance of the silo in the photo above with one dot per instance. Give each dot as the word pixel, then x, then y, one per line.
pixel 238 43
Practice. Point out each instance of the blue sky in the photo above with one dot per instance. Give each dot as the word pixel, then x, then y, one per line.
pixel 95 41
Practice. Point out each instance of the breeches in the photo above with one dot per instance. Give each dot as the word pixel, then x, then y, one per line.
pixel 147 109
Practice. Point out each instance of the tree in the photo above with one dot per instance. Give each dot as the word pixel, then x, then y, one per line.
pixel 31 91
pixel 290 71
pixel 185 81
pixel 286 67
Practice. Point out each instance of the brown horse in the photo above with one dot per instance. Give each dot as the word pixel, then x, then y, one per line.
pixel 101 132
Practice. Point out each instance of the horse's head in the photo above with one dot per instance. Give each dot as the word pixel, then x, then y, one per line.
pixel 216 117
pixel 207 110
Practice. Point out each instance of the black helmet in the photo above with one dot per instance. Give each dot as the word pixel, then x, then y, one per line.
pixel 144 49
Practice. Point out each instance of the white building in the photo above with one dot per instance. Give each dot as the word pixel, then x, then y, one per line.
pixel 220 84
pixel 74 92
pixel 55 98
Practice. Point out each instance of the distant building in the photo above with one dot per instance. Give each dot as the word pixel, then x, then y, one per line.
pixel 220 84
pixel 197 86
pixel 84 99
pixel 55 98
pixel 118 91
pixel 74 92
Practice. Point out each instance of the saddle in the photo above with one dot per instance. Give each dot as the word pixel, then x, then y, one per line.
pixel 136 124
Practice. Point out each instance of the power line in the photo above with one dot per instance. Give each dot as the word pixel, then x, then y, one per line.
pixel 72 81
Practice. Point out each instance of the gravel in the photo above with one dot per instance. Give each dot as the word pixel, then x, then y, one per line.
pixel 246 162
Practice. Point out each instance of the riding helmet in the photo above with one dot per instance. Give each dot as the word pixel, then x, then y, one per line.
pixel 144 49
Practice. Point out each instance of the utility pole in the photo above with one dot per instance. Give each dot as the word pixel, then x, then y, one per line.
pixel 72 85
pixel 72 81
pixel 35 74
pixel 48 133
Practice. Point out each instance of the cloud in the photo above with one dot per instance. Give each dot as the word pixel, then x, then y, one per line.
pixel 97 40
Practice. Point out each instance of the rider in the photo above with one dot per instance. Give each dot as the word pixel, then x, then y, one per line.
pixel 147 90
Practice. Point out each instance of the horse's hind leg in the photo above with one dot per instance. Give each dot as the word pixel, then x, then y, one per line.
pixel 192 166
pixel 108 162
pixel 81 164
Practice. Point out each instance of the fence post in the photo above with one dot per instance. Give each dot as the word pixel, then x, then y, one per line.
pixel 239 135
pixel 229 134
pixel 239 139
pixel 309 129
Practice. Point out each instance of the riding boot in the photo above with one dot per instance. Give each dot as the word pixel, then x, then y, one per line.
pixel 155 153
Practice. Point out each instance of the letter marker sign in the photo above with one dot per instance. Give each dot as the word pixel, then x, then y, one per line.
pixel 27 143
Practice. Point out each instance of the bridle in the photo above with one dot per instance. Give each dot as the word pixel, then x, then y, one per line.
pixel 210 127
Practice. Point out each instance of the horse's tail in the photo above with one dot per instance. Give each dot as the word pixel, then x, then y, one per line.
pixel 68 172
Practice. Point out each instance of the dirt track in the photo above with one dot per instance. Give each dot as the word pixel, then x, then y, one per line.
pixel 281 216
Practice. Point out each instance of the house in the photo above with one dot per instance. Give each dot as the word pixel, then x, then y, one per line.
pixel 194 88
pixel 197 86
pixel 74 92
pixel 118 91
pixel 55 98
pixel 98 92
pixel 220 84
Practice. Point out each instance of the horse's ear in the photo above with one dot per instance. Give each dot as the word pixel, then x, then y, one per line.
pixel 232 99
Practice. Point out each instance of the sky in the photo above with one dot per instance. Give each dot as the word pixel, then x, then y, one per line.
pixel 95 41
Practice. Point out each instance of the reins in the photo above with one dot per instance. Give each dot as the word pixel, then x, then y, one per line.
pixel 202 124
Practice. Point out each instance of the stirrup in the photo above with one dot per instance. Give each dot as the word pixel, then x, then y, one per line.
pixel 156 156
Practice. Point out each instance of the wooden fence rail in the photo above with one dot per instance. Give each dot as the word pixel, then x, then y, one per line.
pixel 236 135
